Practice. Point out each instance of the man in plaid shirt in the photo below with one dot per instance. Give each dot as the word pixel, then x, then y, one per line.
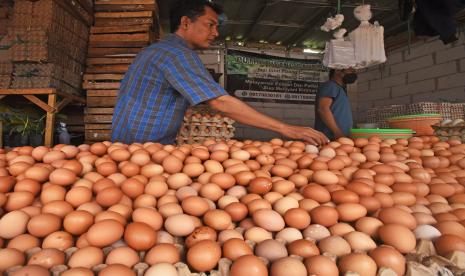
pixel 168 77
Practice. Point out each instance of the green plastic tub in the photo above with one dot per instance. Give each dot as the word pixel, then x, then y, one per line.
pixel 383 133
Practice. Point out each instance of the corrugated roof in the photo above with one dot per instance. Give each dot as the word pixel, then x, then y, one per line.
pixel 294 22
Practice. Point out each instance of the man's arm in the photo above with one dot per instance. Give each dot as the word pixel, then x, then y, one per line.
pixel 243 113
pixel 324 110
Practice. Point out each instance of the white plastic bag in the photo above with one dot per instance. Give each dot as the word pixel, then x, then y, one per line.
pixel 339 54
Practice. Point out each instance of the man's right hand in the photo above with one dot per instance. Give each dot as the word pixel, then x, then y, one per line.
pixel 307 134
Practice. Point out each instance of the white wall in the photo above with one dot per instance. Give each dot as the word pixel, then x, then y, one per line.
pixel 431 71
pixel 296 114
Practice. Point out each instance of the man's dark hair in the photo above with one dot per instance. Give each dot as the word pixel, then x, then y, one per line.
pixel 331 73
pixel 192 9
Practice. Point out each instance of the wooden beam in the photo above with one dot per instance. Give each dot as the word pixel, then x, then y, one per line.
pixel 128 29
pixel 97 126
pixel 99 110
pixel 50 121
pixel 102 93
pixel 98 118
pixel 137 14
pixel 39 103
pixel 27 91
pixel 100 102
pixel 63 103
pixel 104 61
pixel 100 85
pixel 103 76
pixel 122 21
pixel 103 69
pixel 108 52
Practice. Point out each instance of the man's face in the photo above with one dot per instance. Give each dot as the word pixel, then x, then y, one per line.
pixel 202 31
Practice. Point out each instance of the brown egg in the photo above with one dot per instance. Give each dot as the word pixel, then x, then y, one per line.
pixel 123 255
pixel 335 245
pixel 117 269
pixel 303 248
pixel 238 211
pixel 359 241
pixel 350 211
pixel 217 219
pixel 60 240
pixel 86 257
pixel 271 250
pixel 268 219
pixel 288 266
pixel 172 164
pixel 78 195
pixel 447 243
pixel 104 233
pixel 51 193
pixel 325 177
pixel 78 222
pixel 204 255
pixel 47 258
pixel 78 271
pixel 162 253
pixel 297 218
pixel 62 177
pixel 23 242
pixel 235 248
pixel 43 225
pixel 368 225
pixel 359 263
pixel 109 196
pixel 195 206
pixel 248 265
pixel 149 216
pixel 35 270
pixel 397 236
pixel 340 229
pixel 201 233
pixel 451 227
pixel 13 224
pixel 57 207
pixel 320 265
pixel 317 193
pixel 10 257
pixel 387 256
pixel 18 200
pixel 140 236
pixel 397 216
pixel 324 215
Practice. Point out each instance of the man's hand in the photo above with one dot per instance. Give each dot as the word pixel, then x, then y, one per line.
pixel 307 134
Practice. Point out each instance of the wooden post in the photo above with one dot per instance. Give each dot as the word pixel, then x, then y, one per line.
pixel 50 121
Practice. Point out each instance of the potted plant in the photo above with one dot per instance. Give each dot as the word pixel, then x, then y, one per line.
pixel 23 130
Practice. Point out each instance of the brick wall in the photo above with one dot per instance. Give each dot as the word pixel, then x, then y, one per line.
pixel 431 71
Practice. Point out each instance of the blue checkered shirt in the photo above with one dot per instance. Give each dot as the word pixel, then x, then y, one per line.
pixel 161 83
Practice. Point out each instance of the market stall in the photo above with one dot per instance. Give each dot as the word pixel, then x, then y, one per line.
pixel 225 199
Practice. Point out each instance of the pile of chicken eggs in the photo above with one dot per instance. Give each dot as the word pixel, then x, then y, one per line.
pixel 230 207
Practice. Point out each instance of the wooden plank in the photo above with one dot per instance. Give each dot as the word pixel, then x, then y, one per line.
pixel 122 21
pixel 99 119
pixel 101 101
pixel 103 69
pixel 97 126
pixel 103 61
pixel 39 103
pixel 50 121
pixel 123 2
pixel 136 14
pixel 120 40
pixel 101 85
pixel 27 91
pixel 112 30
pixel 107 52
pixel 103 77
pixel 99 110
pixel 102 93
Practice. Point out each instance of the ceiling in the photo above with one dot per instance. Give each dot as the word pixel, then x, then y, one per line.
pixel 292 23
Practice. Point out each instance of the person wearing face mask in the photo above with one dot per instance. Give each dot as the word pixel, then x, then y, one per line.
pixel 333 113
pixel 168 77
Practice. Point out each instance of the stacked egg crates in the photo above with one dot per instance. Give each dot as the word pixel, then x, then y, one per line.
pixel 6 66
pixel 46 40
pixel 122 28
pixel 203 123
pixel 449 129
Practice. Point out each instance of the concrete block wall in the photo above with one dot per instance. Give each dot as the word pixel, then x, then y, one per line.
pixel 431 71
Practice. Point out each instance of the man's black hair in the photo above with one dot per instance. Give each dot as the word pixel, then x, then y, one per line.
pixel 192 9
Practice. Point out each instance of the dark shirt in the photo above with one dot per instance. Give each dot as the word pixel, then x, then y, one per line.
pixel 340 107
pixel 161 83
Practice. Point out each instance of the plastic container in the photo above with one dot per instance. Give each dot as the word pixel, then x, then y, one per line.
pixel 420 123
pixel 383 133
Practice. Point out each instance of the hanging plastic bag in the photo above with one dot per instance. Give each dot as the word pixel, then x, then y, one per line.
pixel 339 53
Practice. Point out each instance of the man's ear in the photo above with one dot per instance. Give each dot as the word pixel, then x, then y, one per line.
pixel 184 22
